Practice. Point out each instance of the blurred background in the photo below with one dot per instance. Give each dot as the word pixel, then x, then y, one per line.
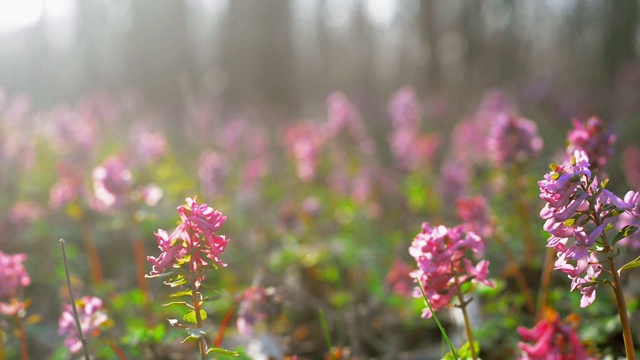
pixel 285 56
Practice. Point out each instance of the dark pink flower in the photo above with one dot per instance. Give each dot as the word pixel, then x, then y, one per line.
pixel 440 254
pixel 399 278
pixel 91 316
pixel 551 339
pixel 592 138
pixel 194 238
pixel 13 279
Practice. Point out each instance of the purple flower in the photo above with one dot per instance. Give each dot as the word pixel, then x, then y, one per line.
pixel 147 146
pixel 91 316
pixel 194 238
pixel 593 139
pixel 513 140
pixel 442 267
pixel 404 110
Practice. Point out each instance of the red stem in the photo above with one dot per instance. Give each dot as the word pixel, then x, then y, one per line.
pixel 94 257
pixel 223 326
pixel 23 339
pixel 139 254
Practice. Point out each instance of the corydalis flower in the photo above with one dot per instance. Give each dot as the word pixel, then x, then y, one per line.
pixel 593 139
pixel 91 316
pixel 552 340
pixel 194 237
pixel 252 309
pixel 13 279
pixel 513 140
pixel 579 208
pixel 442 265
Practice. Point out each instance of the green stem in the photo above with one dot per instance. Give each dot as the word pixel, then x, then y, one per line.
pixel 2 355
pixel 23 338
pixel 433 313
pixel 622 311
pixel 467 324
pixel 83 339
pixel 196 307
pixel 517 272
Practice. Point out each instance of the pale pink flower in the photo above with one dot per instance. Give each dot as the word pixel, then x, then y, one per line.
pixel 442 266
pixel 68 187
pixel 304 141
pixel 13 279
pixel 112 183
pixel 24 212
pixel 147 146
pixel 551 339
pixel 405 110
pixel 212 172
pixel 91 316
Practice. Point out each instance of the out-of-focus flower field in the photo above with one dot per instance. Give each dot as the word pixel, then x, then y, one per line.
pixel 328 220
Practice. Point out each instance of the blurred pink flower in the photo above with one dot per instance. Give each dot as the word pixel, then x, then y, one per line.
pixel 147 146
pixel 405 110
pixel 442 266
pixel 13 279
pixel 474 214
pixel 251 309
pixel 24 212
pixel 399 278
pixel 343 116
pixel 212 172
pixel 112 184
pixel 632 241
pixel 552 340
pixel 195 236
pixel 91 316
pixel 592 138
pixel 67 188
pixel 304 141
pixel 513 140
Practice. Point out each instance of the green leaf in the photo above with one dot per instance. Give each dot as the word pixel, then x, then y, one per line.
pixel 178 303
pixel 223 352
pixel 179 281
pixel 624 232
pixel 191 316
pixel 631 264
pixel 181 293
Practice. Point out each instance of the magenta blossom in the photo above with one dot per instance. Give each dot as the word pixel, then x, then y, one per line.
pixel 91 316
pixel 552 340
pixel 442 266
pixel 13 279
pixel 593 139
pixel 194 237
pixel 513 140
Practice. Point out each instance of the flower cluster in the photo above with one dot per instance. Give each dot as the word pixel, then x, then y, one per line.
pixel 193 240
pixel 92 319
pixel 13 278
pixel 579 208
pixel 112 183
pixel 593 139
pixel 442 267
pixel 552 340
pixel 474 213
pixel 513 140
pixel 254 306
pixel 304 141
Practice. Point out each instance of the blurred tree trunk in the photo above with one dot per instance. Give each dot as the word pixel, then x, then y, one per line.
pixel 620 38
pixel 258 55
pixel 158 51
pixel 430 79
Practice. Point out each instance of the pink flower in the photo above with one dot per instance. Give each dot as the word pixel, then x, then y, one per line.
pixel 91 316
pixel 304 141
pixel 13 279
pixel 67 188
pixel 513 140
pixel 593 139
pixel 442 267
pixel 252 309
pixel 194 238
pixel 147 146
pixel 633 240
pixel 551 339
pixel 474 213
pixel 212 172
pixel 112 184
pixel 343 116
pixel 404 110
pixel 399 280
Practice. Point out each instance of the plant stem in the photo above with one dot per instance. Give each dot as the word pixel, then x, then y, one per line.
pixel 545 282
pixel 223 326
pixel 23 338
pixel 139 255
pixel 2 356
pixel 92 252
pixel 467 325
pixel 196 307
pixel 433 313
pixel 115 348
pixel 83 339
pixel 622 311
